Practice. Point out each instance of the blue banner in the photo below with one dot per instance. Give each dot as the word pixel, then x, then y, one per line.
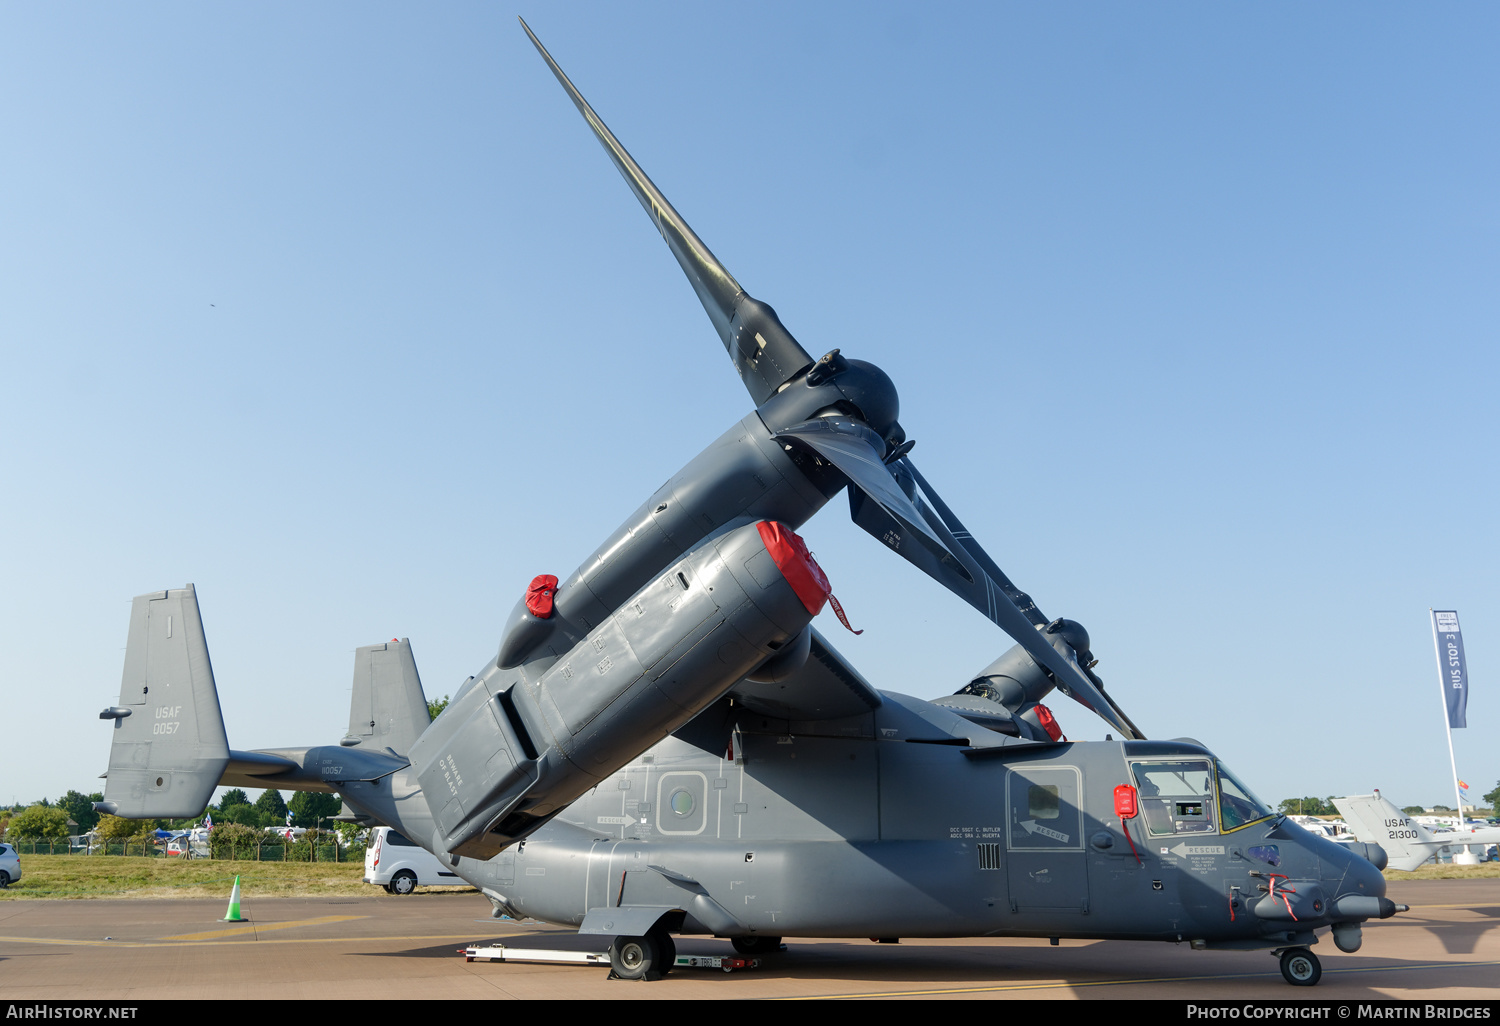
pixel 1450 656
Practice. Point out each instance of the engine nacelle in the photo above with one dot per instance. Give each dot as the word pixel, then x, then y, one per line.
pixel 513 749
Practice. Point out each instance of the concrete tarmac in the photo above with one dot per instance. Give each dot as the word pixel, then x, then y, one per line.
pixel 384 947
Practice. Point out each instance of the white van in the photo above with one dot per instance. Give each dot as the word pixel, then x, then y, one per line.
pixel 401 865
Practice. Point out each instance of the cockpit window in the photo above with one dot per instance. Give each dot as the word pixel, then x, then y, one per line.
pixel 1176 797
pixel 1239 806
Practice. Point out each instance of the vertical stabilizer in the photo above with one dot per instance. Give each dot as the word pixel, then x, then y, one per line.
pixel 169 747
pixel 387 708
pixel 1373 819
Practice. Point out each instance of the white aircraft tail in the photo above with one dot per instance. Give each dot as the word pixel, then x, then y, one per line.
pixel 1375 820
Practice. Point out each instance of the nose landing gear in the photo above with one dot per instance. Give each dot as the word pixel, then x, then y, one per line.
pixel 1299 966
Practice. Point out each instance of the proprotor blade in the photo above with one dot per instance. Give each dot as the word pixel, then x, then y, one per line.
pixel 999 603
pixel 855 450
pixel 764 352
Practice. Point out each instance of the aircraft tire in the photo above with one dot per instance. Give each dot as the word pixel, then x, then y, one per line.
pixel 756 945
pixel 403 882
pixel 637 958
pixel 669 951
pixel 1300 967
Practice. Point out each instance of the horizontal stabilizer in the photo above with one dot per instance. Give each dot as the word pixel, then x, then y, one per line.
pixel 169 746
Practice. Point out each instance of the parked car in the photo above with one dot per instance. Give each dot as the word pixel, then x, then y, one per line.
pixel 10 865
pixel 400 865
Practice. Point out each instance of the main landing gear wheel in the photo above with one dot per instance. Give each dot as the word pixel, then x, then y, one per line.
pixel 643 958
pixel 1300 967
pixel 403 882
pixel 756 945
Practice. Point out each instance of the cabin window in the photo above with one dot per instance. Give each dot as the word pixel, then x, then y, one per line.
pixel 1042 801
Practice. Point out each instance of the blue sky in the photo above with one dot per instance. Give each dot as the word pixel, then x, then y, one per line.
pixel 339 312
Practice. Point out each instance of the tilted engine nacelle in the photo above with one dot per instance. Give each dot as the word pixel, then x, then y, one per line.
pixel 1006 695
pixel 518 744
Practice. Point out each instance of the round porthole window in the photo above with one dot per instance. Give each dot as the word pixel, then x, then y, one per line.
pixel 682 802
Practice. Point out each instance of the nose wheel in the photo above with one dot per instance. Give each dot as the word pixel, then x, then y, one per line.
pixel 1300 967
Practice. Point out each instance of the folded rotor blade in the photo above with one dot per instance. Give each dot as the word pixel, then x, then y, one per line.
pixel 855 450
pixel 764 352
pixel 961 534
pixel 983 592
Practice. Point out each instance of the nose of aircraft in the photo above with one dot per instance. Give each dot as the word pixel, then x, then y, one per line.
pixel 1358 890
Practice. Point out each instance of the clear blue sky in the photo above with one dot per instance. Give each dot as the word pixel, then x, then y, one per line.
pixel 339 312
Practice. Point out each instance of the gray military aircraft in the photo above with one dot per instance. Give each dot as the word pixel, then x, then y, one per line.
pixel 663 744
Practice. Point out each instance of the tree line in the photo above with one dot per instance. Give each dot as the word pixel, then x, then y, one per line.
pixel 46 820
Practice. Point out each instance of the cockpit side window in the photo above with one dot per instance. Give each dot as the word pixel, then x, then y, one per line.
pixel 1238 806
pixel 1176 797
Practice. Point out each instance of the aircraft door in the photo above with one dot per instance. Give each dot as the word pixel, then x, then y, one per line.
pixel 1044 834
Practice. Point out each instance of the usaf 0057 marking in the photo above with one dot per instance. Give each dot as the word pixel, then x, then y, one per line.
pixel 663 744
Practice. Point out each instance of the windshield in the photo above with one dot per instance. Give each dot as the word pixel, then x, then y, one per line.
pixel 1238 805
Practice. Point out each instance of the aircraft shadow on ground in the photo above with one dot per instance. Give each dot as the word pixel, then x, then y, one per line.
pixel 1463 938
pixel 835 966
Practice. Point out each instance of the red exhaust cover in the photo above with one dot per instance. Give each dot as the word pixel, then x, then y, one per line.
pixel 1049 722
pixel 796 564
pixel 539 595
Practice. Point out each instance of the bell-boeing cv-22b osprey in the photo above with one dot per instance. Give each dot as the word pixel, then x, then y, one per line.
pixel 662 744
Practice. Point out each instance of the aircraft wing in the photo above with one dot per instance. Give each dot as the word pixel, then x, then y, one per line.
pixel 826 687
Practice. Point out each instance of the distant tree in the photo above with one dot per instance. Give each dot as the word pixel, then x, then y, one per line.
pixel 1493 798
pixel 234 840
pixel 247 815
pixel 1414 810
pixel 80 809
pixel 232 797
pixel 436 706
pixel 351 834
pixel 1441 808
pixel 272 804
pixel 118 828
pixel 39 821
pixel 1306 807
pixel 310 806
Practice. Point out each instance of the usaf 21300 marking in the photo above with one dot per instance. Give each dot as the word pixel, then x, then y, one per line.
pixel 663 745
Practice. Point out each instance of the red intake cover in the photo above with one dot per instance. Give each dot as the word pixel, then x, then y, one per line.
pixel 539 595
pixel 1049 722
pixel 796 564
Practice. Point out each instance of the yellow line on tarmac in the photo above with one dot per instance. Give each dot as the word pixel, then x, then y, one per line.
pixel 465 938
pixel 1065 984
pixel 235 931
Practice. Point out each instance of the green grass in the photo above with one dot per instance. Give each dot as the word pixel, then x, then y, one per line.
pixel 1485 870
pixel 117 876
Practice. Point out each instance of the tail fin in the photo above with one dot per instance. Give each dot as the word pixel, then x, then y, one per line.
pixel 169 746
pixel 388 708
pixel 1375 820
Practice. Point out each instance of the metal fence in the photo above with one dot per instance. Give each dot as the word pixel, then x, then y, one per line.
pixel 238 849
